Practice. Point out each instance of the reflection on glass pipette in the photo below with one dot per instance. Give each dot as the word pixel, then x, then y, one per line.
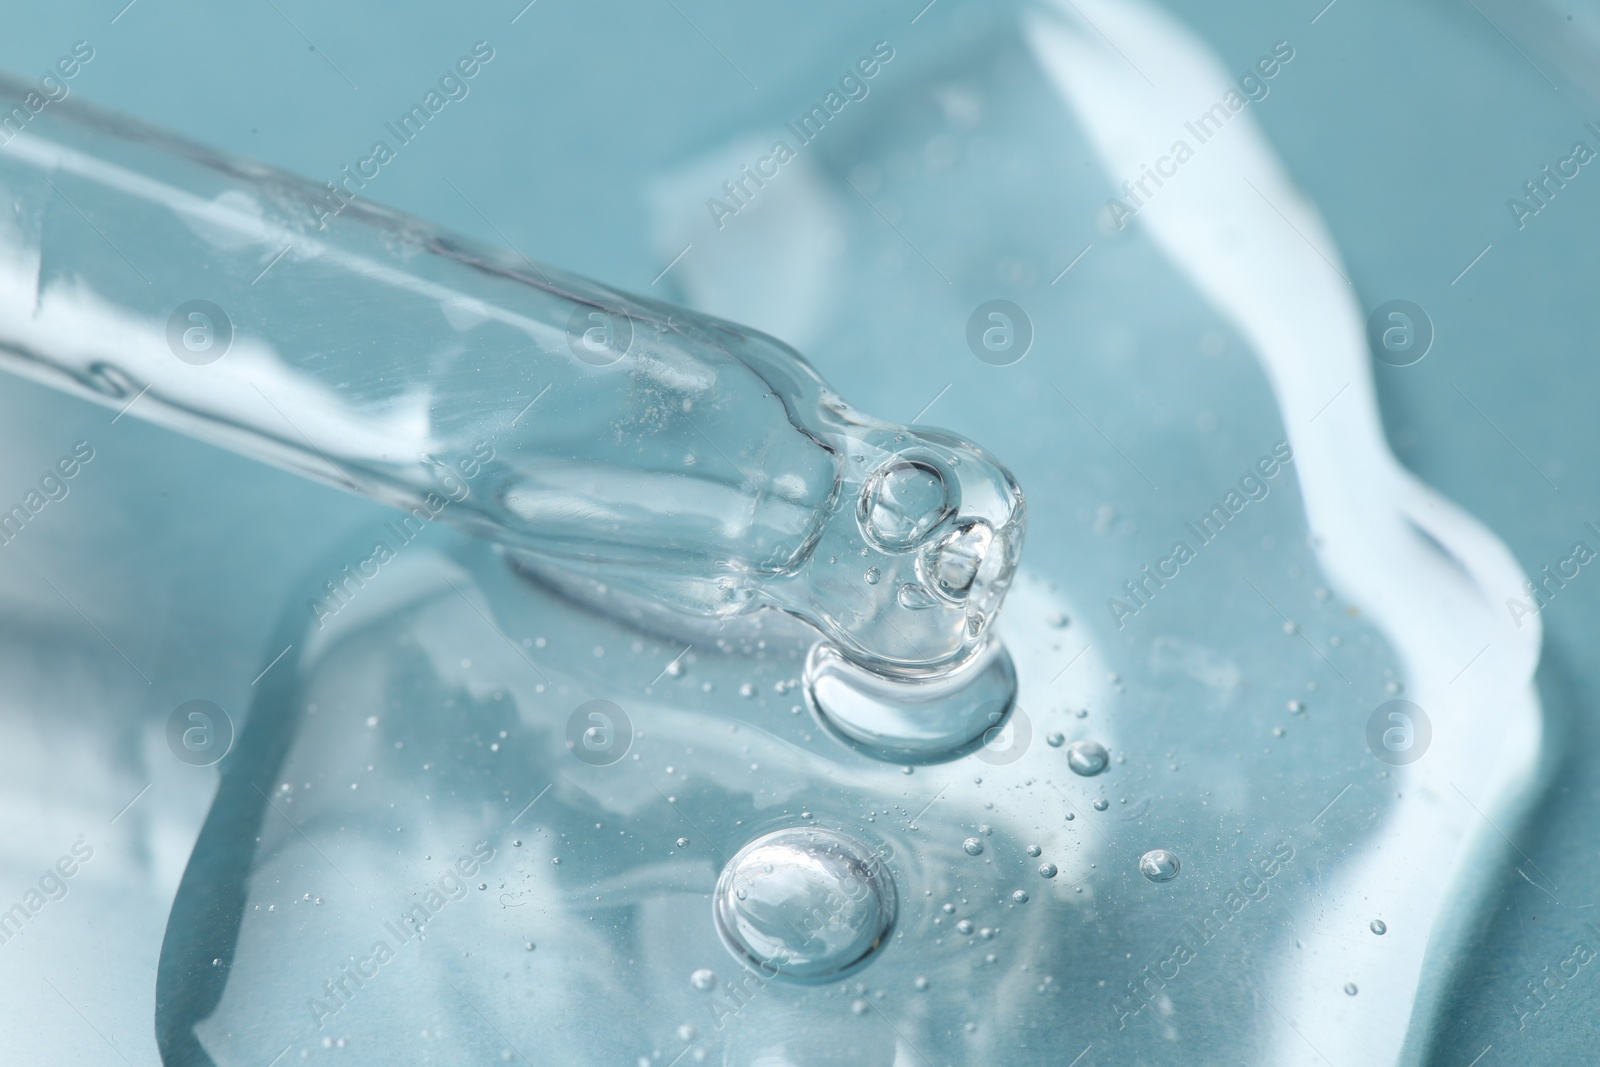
pixel 670 455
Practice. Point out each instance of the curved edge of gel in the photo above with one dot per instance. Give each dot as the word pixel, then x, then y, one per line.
pixel 1381 534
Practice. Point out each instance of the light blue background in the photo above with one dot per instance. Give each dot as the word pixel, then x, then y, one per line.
pixel 1408 123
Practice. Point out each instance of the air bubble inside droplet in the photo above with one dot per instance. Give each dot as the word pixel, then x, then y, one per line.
pixel 1378 926
pixel 1159 865
pixel 903 502
pixel 805 904
pixel 972 846
pixel 952 565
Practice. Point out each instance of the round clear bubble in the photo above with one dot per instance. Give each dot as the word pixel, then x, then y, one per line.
pixel 999 332
pixel 805 904
pixel 1087 758
pixel 904 501
pixel 951 565
pixel 1159 865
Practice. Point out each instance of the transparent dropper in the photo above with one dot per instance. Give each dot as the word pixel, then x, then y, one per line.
pixel 683 459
